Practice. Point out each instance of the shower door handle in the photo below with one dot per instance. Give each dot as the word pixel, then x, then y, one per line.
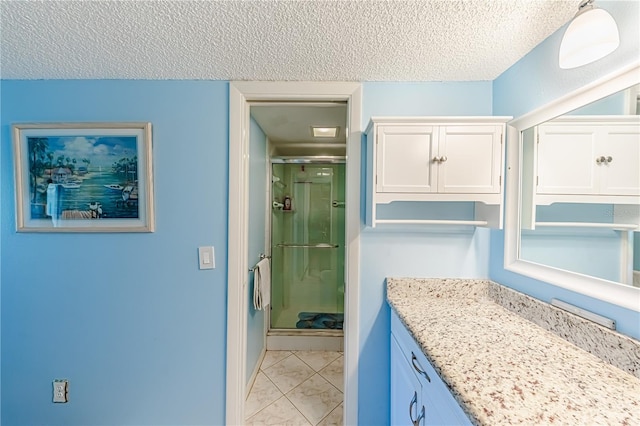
pixel 319 245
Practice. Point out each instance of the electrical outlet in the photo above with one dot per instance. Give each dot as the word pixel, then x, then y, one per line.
pixel 60 390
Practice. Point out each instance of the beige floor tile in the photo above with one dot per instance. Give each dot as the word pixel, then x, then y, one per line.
pixel 317 359
pixel 334 418
pixel 315 398
pixel 263 393
pixel 288 373
pixel 272 357
pixel 280 413
pixel 334 373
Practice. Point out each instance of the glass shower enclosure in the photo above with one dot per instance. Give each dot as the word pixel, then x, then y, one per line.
pixel 307 246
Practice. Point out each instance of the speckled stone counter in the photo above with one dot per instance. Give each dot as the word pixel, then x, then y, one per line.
pixel 505 369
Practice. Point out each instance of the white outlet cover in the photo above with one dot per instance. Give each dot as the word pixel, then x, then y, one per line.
pixel 60 390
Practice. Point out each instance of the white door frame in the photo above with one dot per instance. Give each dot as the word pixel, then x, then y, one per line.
pixel 240 94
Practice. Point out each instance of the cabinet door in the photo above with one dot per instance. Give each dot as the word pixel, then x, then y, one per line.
pixel 441 406
pixel 406 392
pixel 405 159
pixel 469 159
pixel 620 173
pixel 567 160
pixel 408 364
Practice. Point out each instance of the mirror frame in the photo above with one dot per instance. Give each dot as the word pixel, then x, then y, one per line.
pixel 616 293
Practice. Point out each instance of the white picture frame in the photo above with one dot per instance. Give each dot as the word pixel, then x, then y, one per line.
pixel 83 177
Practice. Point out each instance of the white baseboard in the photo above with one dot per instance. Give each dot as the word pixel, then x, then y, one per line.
pixel 255 372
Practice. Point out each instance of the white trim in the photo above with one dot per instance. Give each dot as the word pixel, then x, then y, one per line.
pixel 614 226
pixel 594 119
pixel 431 222
pixel 255 372
pixel 605 86
pixel 352 266
pixel 632 99
pixel 437 120
pixel 305 343
pixel 237 259
pixel 240 94
pixel 626 257
pixel 608 291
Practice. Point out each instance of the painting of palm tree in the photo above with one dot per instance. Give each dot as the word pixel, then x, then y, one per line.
pixel 71 175
pixel 37 152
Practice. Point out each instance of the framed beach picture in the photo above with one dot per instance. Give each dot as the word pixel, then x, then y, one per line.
pixel 83 177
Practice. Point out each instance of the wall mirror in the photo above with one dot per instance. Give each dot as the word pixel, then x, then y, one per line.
pixel 573 197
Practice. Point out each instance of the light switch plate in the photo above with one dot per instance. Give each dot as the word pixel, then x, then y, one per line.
pixel 206 257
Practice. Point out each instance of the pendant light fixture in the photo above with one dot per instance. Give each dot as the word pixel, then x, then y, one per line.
pixel 592 34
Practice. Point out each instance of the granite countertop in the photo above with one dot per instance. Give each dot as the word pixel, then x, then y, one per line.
pixel 505 369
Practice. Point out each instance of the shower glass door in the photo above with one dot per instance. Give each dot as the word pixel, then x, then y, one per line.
pixel 307 246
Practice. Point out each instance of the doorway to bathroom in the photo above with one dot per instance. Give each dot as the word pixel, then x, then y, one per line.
pixel 242 96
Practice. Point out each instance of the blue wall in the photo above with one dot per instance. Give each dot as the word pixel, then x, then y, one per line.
pixel 136 312
pixel 129 319
pixel 426 99
pixel 534 81
pixel 421 254
pixel 257 229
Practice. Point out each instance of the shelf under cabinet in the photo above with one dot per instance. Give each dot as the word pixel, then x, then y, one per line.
pixel 614 226
pixel 431 222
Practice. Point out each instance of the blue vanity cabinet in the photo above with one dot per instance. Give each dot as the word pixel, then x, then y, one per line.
pixel 418 396
pixel 406 390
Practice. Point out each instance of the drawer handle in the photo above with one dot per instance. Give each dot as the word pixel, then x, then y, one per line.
pixel 418 368
pixel 414 400
pixel 417 421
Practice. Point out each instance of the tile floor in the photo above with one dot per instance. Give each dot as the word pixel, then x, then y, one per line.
pixel 297 388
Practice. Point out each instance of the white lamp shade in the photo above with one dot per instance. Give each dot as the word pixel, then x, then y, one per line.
pixel 591 35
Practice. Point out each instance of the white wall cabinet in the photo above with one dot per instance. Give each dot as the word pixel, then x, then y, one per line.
pixel 588 156
pixel 435 159
pixel 418 395
pixel 582 160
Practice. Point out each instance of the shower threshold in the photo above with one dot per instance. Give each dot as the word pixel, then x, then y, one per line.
pixel 305 340
pixel 304 332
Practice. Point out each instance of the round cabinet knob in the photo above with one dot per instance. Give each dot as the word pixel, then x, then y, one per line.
pixel 601 159
pixel 609 159
pixel 443 159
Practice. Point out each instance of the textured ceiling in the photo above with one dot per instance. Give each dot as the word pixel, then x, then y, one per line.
pixel 428 40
